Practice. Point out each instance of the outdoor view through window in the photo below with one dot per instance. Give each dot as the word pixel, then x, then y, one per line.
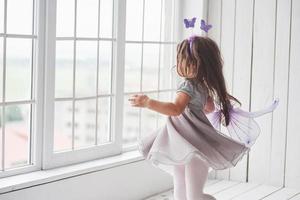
pixel 149 57
pixel 17 47
pixel 85 61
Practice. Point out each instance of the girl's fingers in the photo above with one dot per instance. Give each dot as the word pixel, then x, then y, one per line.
pixel 133 97
pixel 134 100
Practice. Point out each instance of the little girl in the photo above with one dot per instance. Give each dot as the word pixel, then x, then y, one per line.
pixel 188 146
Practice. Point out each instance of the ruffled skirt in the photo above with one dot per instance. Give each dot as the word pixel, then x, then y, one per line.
pixel 187 135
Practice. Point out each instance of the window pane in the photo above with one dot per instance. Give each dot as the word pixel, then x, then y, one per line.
pixel 63 125
pixel 86 68
pixel 85 123
pixel 1 16
pixel 166 63
pixel 17 135
pixel 150 67
pixel 132 67
pixel 175 78
pixel 1 68
pixel 134 19
pixel 106 13
pixel 103 128
pixel 105 56
pixel 18 69
pixel 65 18
pixel 87 18
pixel 167 29
pixel 130 122
pixel 19 16
pixel 173 94
pixel 152 20
pixel 149 119
pixel 64 69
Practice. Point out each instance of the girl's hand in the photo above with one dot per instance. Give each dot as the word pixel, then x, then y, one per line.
pixel 139 100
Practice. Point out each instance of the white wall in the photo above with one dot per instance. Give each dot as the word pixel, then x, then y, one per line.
pixel 260 42
pixel 132 181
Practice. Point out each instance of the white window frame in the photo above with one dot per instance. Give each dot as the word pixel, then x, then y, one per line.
pixel 52 159
pixel 37 102
pixel 43 156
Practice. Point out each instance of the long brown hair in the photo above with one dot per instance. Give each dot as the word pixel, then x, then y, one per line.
pixel 203 65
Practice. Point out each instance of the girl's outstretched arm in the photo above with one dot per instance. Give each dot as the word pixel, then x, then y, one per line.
pixel 167 108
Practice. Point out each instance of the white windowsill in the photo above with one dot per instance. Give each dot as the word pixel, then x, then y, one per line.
pixel 21 181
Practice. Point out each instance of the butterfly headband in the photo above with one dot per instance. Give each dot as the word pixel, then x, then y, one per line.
pixel 190 23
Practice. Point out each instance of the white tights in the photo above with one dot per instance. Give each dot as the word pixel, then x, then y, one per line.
pixel 189 180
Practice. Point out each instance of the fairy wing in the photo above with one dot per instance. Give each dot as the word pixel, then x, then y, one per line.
pixel 242 126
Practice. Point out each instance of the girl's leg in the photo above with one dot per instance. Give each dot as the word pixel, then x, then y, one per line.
pixel 196 172
pixel 179 182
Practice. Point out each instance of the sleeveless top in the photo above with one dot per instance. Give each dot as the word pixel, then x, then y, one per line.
pixel 198 95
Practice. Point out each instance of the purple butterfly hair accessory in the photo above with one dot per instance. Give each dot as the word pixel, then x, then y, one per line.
pixel 189 23
pixel 205 27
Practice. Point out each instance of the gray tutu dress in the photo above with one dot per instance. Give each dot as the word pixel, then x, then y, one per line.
pixel 193 133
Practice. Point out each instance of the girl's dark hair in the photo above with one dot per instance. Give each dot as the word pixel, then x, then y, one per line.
pixel 203 65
